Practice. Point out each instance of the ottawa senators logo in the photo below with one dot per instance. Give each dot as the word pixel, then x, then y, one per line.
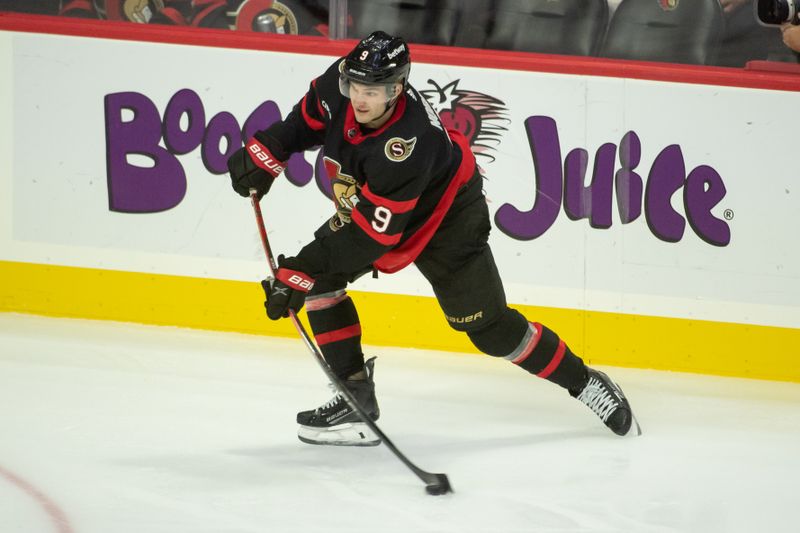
pixel 480 117
pixel 668 5
pixel 398 149
pixel 138 10
pixel 345 189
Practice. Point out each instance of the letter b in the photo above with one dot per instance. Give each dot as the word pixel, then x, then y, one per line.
pixel 131 188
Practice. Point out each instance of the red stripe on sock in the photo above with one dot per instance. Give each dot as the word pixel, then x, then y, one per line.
pixel 338 334
pixel 555 361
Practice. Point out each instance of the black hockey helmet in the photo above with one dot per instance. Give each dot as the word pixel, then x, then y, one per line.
pixel 379 59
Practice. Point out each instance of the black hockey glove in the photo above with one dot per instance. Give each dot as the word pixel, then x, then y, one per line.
pixel 288 289
pixel 253 167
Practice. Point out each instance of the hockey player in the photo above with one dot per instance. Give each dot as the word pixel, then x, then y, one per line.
pixel 406 191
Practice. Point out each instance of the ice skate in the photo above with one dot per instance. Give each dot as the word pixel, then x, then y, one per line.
pixel 336 423
pixel 606 400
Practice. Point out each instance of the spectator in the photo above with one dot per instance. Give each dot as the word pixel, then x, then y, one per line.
pixel 745 39
pixel 791 36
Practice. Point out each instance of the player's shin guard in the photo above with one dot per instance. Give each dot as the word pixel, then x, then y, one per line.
pixel 531 346
pixel 337 330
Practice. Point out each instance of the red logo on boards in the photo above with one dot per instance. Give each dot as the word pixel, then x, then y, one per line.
pixel 480 117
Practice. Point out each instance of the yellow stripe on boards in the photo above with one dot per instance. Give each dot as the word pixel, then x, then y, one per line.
pixel 136 297
pixel 395 320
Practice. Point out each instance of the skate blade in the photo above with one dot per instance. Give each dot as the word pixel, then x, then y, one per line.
pixel 355 434
pixel 635 430
pixel 637 426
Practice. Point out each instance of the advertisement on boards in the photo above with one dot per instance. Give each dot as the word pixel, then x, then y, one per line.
pixel 609 194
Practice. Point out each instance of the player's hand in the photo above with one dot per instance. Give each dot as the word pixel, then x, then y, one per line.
pixel 289 288
pixel 253 167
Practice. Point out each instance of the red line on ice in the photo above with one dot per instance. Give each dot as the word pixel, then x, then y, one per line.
pixel 53 511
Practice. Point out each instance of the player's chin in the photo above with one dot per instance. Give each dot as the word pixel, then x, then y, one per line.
pixel 362 117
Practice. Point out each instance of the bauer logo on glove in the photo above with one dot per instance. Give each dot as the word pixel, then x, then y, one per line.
pixel 254 166
pixel 263 158
pixel 287 292
pixel 300 283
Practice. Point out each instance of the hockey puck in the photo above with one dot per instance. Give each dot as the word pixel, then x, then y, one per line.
pixel 442 486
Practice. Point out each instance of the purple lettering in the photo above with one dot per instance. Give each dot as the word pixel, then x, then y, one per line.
pixel 262 117
pixel 298 171
pixel 577 197
pixel 628 182
pixel 221 126
pixel 323 180
pixel 704 190
pixel 593 201
pixel 546 153
pixel 666 178
pixel 131 188
pixel 134 130
pixel 184 102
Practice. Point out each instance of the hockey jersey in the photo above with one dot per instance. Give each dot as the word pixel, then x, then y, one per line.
pixel 391 186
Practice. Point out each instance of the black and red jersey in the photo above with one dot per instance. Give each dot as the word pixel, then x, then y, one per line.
pixel 391 186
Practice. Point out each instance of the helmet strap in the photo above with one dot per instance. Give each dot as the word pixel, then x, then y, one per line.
pixel 389 105
pixel 393 100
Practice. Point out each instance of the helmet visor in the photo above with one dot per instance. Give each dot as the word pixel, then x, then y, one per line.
pixel 384 92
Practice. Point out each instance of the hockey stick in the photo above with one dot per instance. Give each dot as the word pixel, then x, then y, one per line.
pixel 435 484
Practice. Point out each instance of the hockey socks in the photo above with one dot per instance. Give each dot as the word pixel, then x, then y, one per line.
pixel 542 353
pixel 337 330
pixel 531 346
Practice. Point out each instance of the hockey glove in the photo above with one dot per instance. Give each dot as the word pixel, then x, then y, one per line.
pixel 253 167
pixel 289 288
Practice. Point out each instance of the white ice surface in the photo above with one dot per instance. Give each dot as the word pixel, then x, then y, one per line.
pixel 120 428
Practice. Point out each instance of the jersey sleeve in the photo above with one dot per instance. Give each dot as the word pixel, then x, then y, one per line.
pixel 304 126
pixel 378 220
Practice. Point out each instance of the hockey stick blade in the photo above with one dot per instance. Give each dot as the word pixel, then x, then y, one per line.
pixel 441 485
pixel 435 484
